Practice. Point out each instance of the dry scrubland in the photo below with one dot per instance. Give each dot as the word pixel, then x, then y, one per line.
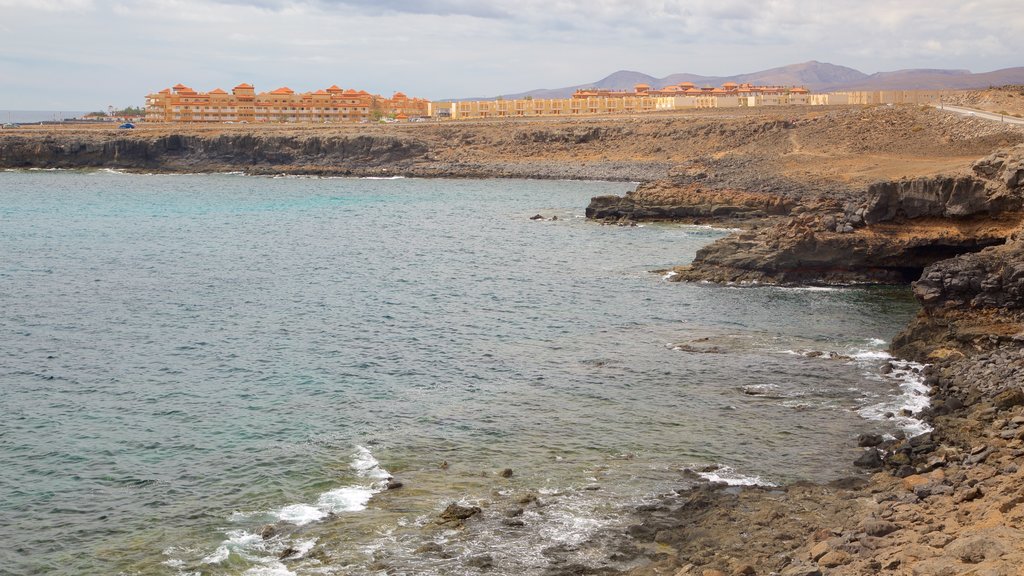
pixel 850 194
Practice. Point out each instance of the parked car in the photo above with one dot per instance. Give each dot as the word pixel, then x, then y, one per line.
pixel 127 126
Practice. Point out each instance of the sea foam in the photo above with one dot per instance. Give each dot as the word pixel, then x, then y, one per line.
pixel 727 475
pixel 343 499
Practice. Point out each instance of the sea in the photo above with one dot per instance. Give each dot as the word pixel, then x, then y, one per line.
pixel 214 374
pixel 34 116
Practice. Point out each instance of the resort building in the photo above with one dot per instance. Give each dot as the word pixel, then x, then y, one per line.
pixel 183 104
pixel 642 99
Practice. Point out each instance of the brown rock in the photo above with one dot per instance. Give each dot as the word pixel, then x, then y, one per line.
pixel 911 483
pixel 969 495
pixel 834 558
pixel 819 550
pixel 1009 398
pixel 457 512
pixel 801 570
pixel 975 549
pixel 878 528
pixel 744 570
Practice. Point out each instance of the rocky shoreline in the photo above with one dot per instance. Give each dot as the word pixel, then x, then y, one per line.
pixel 948 502
pixel 820 203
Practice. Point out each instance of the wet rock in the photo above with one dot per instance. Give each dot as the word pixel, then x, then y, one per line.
pixel 506 473
pixel 536 217
pixel 267 531
pixel 394 484
pixel 871 459
pixel 869 440
pixel 456 512
pixel 483 561
pixel 287 552
pixel 432 548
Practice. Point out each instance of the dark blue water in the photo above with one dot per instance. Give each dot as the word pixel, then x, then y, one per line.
pixel 186 359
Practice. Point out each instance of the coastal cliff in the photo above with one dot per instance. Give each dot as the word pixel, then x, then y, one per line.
pixel 898 229
pixel 844 196
pixel 950 501
pixel 193 152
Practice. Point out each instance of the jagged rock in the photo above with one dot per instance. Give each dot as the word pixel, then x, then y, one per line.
pixel 666 201
pixel 941 196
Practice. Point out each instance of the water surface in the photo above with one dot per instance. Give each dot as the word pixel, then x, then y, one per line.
pixel 187 359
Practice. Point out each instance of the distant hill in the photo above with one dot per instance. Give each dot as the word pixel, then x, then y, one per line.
pixel 937 80
pixel 817 76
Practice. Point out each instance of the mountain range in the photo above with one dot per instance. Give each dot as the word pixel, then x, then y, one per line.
pixel 816 76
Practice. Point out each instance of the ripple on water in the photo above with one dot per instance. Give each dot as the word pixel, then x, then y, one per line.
pixel 189 359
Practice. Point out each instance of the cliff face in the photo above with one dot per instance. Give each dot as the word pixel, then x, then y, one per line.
pixel 662 200
pixel 891 236
pixel 226 151
pixel 972 303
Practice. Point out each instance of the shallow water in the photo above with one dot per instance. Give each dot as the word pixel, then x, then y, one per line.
pixel 185 359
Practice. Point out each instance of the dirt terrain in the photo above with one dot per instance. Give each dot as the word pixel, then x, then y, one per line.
pixel 823 149
pixel 1007 100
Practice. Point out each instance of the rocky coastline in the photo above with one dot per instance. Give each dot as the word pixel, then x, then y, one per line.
pixel 818 202
pixel 947 502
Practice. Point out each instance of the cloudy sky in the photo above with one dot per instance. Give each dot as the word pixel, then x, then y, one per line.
pixel 88 54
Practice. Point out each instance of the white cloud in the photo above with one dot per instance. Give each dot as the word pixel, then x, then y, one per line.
pixel 49 5
pixel 119 50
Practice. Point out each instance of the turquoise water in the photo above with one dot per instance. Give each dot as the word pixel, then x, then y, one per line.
pixel 185 360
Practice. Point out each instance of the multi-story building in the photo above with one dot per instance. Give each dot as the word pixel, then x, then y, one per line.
pixel 183 104
pixel 643 98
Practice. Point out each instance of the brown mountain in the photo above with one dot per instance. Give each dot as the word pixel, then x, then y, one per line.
pixel 817 76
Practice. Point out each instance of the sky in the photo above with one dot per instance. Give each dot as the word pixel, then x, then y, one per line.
pixel 90 54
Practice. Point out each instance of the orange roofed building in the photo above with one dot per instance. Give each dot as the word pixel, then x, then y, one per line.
pixel 183 104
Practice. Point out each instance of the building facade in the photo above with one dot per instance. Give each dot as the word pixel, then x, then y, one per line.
pixel 331 105
pixel 642 99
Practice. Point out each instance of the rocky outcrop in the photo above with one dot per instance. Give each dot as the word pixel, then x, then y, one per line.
pixel 992 278
pixel 665 201
pixel 971 304
pixel 221 152
pixel 900 228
